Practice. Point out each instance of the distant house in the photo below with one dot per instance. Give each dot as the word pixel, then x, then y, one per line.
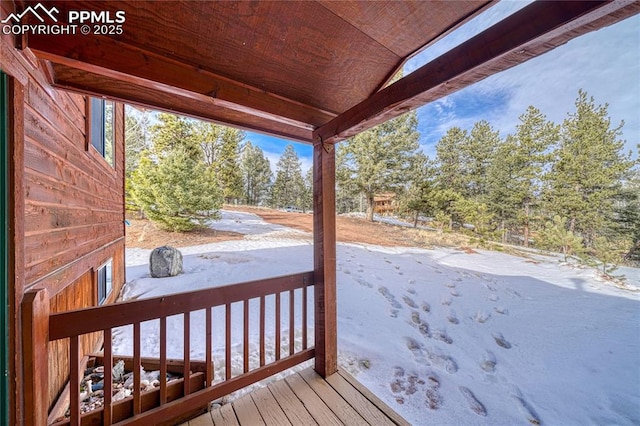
pixel 385 204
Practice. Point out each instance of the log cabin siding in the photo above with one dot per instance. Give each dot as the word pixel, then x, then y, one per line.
pixel 67 207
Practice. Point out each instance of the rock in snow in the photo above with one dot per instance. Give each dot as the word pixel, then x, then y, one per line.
pixel 165 261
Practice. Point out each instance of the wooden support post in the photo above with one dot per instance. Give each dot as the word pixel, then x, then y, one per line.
pixel 35 343
pixel 324 258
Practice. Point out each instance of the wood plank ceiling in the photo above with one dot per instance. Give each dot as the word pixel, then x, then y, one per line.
pixel 302 70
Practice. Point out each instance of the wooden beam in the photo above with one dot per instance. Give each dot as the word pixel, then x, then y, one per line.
pixel 35 343
pixel 530 32
pixel 115 59
pixel 324 258
pixel 174 100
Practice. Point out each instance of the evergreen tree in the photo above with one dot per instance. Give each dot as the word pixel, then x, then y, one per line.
pixel 378 159
pixel 477 151
pixel 307 196
pixel 175 132
pixel 587 171
pixel 176 192
pixel 557 237
pixel 419 198
pixel 226 167
pixel 288 187
pixel 136 135
pixel 517 169
pixel 450 161
pixel 256 174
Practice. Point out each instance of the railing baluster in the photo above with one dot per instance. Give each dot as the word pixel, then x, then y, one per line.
pixel 74 380
pixel 262 332
pixel 137 403
pixel 227 341
pixel 163 360
pixel 277 326
pixel 245 342
pixel 292 323
pixel 186 370
pixel 108 377
pixel 208 348
pixel 304 317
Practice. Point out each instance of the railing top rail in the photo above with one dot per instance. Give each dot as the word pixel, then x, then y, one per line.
pixel 89 320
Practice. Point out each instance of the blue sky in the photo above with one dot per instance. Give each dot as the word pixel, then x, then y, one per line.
pixel 604 63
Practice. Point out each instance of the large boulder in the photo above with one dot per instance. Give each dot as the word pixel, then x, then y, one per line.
pixel 165 261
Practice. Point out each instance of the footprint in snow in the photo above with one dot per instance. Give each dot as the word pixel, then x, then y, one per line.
pixel 501 310
pixel 446 301
pixel 433 398
pixel 475 405
pixel 409 301
pixel 425 307
pixel 488 362
pixel 525 409
pixel 442 336
pixel 455 293
pixel 494 297
pixel 482 317
pixel 411 291
pixel 501 341
pixel 452 318
pixel 443 361
pixel 364 282
pixel 451 285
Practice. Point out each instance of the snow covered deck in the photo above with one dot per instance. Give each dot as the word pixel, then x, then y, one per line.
pixel 305 398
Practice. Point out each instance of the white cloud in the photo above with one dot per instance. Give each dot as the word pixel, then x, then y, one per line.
pixel 605 63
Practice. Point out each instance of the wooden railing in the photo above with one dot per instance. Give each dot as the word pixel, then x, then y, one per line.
pixel 197 388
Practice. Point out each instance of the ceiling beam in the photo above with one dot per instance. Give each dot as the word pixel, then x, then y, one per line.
pixel 171 99
pixel 535 29
pixel 112 58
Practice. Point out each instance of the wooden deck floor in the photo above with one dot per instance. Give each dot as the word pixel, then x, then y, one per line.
pixel 305 398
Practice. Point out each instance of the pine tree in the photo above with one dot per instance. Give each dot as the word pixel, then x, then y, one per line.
pixel 477 151
pixel 175 132
pixel 419 197
pixel 450 160
pixel 557 237
pixel 226 166
pixel 256 174
pixel 517 169
pixel 176 192
pixel 587 170
pixel 136 141
pixel 288 187
pixel 378 159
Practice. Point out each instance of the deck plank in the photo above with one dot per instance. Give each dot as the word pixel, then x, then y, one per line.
pixel 388 411
pixel 305 398
pixel 345 412
pixel 203 420
pixel 271 412
pixel 246 411
pixel 224 416
pixel 312 402
pixel 291 405
pixel 362 405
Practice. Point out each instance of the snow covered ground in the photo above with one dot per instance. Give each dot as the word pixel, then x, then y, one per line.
pixel 443 336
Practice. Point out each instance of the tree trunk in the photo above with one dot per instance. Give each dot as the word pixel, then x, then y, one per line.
pixel 370 207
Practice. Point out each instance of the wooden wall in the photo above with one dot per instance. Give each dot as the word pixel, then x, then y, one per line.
pixel 67 214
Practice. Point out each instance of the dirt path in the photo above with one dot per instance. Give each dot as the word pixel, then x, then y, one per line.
pixel 349 229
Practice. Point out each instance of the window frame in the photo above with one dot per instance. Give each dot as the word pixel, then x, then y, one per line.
pixel 104 282
pixel 100 128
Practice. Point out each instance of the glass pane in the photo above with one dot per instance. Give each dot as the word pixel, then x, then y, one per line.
pixel 109 131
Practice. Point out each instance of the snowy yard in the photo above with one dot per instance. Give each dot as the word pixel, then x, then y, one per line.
pixel 443 336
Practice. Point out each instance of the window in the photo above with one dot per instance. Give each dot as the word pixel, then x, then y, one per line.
pixel 104 281
pixel 101 128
